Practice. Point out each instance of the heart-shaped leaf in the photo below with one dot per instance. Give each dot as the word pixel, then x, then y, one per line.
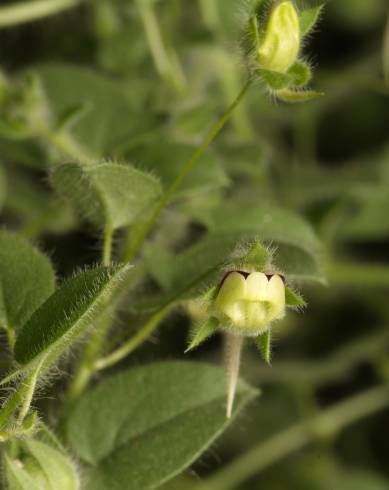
pixel 107 193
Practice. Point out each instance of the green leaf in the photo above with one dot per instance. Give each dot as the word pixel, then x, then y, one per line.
pixel 258 256
pixel 308 19
pixel 369 219
pixel 141 427
pixel 298 95
pixel 263 343
pixel 293 299
pixel 165 159
pixel 59 471
pixel 3 186
pixel 300 74
pixel 68 313
pixel 274 79
pixel 202 332
pixel 107 193
pixel 36 208
pixel 112 114
pixel 18 477
pixel 26 279
pixel 267 223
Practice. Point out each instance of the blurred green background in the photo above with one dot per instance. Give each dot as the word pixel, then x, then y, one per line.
pixel 327 160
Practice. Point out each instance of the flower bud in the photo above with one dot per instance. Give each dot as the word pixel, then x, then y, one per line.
pixel 280 44
pixel 250 302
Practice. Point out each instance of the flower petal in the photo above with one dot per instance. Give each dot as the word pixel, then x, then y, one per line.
pixel 276 296
pixel 256 286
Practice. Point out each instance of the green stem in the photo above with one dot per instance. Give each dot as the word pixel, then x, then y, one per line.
pixel 167 68
pixel 23 395
pixel 134 342
pixel 187 167
pixel 107 245
pixel 67 145
pixel 327 423
pixel 86 369
pixel 28 392
pixel 22 12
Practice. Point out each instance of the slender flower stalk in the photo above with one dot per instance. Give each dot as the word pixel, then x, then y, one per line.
pixel 185 170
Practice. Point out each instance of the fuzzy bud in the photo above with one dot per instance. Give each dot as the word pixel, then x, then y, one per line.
pixel 280 44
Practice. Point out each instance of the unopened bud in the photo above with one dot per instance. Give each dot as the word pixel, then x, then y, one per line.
pixel 281 40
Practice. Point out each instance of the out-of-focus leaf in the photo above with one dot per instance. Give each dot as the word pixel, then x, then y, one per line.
pixel 107 193
pixel 19 478
pixel 40 467
pixel 3 186
pixel 137 435
pixel 370 221
pixel 68 313
pixel 295 96
pixel 26 279
pixel 36 208
pixel 271 224
pixel 59 471
pixel 110 118
pixel 326 473
pixel 165 159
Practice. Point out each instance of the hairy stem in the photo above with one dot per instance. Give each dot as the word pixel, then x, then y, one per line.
pixel 134 342
pixel 186 169
pixel 328 422
pixel 86 368
pixel 107 244
pixel 23 395
pixel 233 350
pixel 67 145
pixel 22 12
pixel 28 392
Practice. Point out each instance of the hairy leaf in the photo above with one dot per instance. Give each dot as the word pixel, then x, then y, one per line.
pixel 58 469
pixel 107 193
pixel 141 427
pixel 26 279
pixel 308 18
pixel 18 477
pixel 202 332
pixel 68 313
